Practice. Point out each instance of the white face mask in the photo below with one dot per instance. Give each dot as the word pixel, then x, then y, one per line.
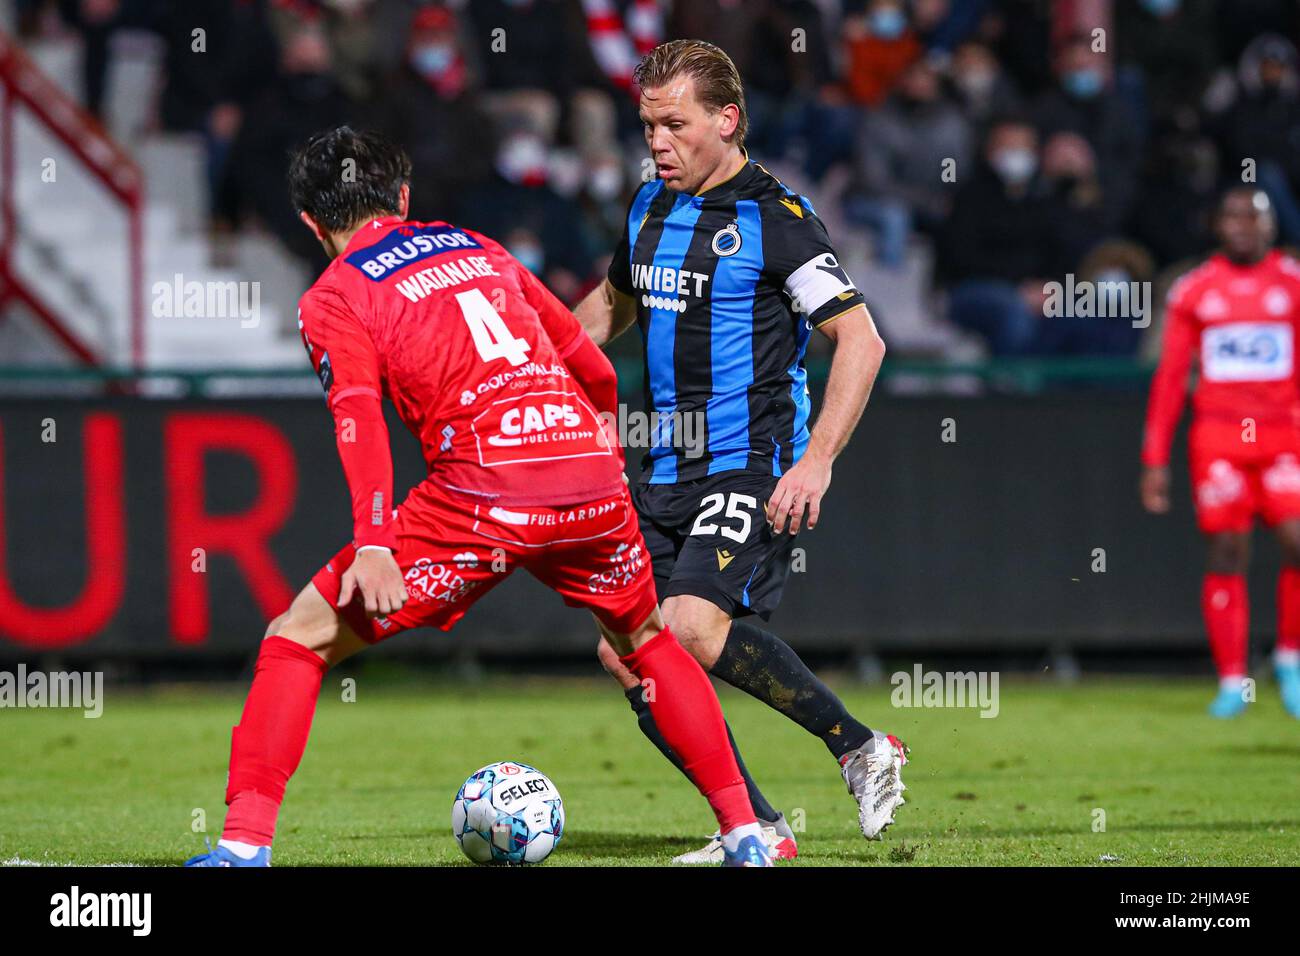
pixel 976 83
pixel 521 157
pixel 605 182
pixel 531 256
pixel 1015 166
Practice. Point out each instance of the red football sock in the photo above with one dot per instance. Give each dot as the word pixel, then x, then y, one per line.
pixel 687 713
pixel 268 743
pixel 1224 605
pixel 1288 610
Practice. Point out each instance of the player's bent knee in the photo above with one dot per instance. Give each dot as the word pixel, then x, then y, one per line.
pixel 312 622
pixel 700 626
pixel 1288 538
pixel 276 626
pixel 1228 553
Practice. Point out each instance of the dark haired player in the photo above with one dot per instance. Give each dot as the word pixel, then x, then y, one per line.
pixel 1237 315
pixel 505 392
pixel 727 273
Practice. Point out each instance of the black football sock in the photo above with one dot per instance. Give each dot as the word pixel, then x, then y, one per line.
pixel 645 720
pixel 764 666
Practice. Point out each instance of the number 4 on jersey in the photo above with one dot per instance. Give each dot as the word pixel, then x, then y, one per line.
pixel 491 337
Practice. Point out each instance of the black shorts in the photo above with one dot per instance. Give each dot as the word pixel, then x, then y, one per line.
pixel 710 538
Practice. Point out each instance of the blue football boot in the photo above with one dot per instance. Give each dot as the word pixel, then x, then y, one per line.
pixel 751 851
pixel 1229 702
pixel 1288 682
pixel 222 856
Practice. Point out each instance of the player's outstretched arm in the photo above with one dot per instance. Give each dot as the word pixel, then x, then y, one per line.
pixel 347 364
pixel 374 577
pixel 606 313
pixel 1165 406
pixel 859 351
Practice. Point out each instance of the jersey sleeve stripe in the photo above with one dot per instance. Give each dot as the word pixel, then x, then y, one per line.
pixel 355 390
pixel 837 315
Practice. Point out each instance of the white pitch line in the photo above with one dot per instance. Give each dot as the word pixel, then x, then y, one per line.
pixel 19 861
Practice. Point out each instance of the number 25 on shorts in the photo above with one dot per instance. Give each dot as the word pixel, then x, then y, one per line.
pixel 735 505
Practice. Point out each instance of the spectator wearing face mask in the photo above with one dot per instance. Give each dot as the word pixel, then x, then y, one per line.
pixel 980 84
pixel 902 149
pixel 1071 177
pixel 1083 102
pixel 430 106
pixel 359 33
pixel 520 198
pixel 1002 243
pixel 879 45
pixel 1263 125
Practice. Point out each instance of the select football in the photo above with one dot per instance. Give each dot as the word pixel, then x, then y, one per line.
pixel 507 812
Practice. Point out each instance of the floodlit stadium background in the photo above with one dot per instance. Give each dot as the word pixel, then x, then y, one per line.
pixel 987 505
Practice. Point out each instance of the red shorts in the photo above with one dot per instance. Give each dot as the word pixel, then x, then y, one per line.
pixel 1234 478
pixel 453 550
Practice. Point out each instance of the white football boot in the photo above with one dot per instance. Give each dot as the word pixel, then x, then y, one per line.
pixel 873 774
pixel 776 834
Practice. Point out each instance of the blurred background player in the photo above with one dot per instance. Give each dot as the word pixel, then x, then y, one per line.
pixel 505 396
pixel 727 272
pixel 1237 315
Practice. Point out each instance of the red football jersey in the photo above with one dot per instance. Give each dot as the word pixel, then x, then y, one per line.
pixel 470 348
pixel 1240 323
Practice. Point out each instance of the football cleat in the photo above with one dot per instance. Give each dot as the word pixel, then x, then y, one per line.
pixel 222 856
pixel 776 834
pixel 750 852
pixel 873 774
pixel 1288 681
pixel 1227 703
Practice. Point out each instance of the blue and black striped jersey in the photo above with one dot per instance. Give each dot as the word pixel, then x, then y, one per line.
pixel 728 285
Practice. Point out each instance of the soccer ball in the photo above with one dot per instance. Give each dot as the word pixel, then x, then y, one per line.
pixel 507 813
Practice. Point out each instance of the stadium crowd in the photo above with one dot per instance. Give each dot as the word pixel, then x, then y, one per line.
pixel 1013 143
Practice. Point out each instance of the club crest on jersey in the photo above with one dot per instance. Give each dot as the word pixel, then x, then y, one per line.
pixel 407 244
pixel 726 241
pixel 1276 301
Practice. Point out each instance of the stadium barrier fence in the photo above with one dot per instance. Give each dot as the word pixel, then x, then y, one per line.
pixel 993 523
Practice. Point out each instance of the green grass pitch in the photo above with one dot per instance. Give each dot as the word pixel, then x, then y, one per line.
pixel 376 785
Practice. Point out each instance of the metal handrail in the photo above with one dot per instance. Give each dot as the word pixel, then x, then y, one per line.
pixel 22 81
